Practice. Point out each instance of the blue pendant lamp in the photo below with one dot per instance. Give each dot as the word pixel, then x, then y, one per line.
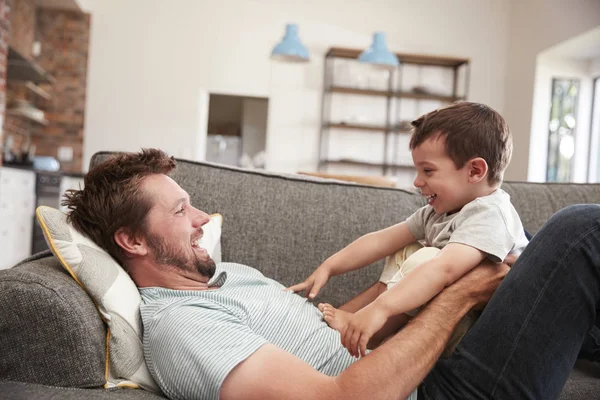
pixel 290 48
pixel 378 53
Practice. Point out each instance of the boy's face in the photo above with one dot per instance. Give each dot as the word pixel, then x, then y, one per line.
pixel 447 188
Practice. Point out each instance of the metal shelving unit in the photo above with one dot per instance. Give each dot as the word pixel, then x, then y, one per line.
pixel 392 95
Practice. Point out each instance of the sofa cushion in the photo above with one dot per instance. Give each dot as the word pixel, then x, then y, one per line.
pixel 583 382
pixel 27 391
pixel 536 202
pixel 43 337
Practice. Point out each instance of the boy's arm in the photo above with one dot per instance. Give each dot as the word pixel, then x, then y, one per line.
pixel 360 253
pixel 370 248
pixel 418 287
pixel 428 279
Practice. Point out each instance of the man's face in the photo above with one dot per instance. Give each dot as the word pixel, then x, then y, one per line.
pixel 446 187
pixel 174 228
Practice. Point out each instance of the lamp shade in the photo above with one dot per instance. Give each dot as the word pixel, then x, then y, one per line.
pixel 290 48
pixel 378 53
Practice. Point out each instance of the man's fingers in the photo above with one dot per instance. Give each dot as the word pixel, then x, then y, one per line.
pixel 510 259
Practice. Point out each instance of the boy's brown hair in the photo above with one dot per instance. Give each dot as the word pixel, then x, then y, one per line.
pixel 471 130
pixel 112 197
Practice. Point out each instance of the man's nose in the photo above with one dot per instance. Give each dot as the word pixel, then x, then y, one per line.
pixel 201 218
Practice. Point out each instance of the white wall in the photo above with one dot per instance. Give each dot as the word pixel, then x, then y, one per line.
pixel 549 67
pixel 254 125
pixel 536 25
pixel 150 60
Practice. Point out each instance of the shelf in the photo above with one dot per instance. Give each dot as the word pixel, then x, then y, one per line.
pixel 427 96
pixel 24 114
pixel 38 91
pixel 419 59
pixel 385 93
pixel 370 128
pixel 18 68
pixel 401 93
pixel 362 92
pixel 359 163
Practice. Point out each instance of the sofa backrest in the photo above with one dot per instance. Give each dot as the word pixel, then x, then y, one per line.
pixel 536 202
pixel 286 225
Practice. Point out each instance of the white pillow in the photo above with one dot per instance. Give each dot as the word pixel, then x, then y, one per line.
pixel 211 240
pixel 114 293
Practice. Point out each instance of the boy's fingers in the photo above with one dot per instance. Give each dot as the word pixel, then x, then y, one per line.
pixel 298 287
pixel 315 290
pixel 363 345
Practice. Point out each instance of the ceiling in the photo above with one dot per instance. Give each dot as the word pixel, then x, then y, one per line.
pixel 582 47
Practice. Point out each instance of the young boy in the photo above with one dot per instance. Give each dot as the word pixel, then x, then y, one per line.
pixel 460 152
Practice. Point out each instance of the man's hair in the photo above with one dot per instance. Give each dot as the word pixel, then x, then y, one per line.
pixel 471 130
pixel 112 197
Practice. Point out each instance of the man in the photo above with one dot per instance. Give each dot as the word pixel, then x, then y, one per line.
pixel 228 332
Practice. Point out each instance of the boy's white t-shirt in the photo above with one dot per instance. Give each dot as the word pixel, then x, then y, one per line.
pixel 490 224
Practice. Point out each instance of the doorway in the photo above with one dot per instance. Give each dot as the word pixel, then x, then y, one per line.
pixel 236 130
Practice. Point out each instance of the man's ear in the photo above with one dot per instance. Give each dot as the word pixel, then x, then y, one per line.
pixel 131 244
pixel 478 169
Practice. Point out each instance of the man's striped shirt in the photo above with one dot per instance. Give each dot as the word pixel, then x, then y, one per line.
pixel 193 339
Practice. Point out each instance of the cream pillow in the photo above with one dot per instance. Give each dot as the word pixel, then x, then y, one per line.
pixel 114 293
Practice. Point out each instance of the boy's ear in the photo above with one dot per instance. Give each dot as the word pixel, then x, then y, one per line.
pixel 131 244
pixel 478 169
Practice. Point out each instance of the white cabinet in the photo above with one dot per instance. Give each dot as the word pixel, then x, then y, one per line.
pixel 17 208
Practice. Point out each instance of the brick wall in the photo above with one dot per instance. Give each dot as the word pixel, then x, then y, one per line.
pixel 22 17
pixel 4 30
pixel 20 37
pixel 64 37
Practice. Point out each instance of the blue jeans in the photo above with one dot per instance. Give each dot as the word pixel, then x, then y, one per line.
pixel 528 337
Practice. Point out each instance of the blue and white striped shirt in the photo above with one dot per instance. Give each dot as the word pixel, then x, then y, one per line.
pixel 194 339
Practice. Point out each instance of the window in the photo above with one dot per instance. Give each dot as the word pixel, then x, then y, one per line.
pixel 561 129
pixel 595 126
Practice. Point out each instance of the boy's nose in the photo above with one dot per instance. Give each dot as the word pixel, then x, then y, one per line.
pixel 418 182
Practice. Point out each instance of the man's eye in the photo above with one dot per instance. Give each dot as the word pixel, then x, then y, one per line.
pixel 180 211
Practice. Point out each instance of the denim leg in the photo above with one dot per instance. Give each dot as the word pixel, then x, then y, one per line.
pixel 590 349
pixel 527 339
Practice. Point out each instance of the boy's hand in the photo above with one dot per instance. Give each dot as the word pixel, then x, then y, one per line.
pixel 361 327
pixel 313 284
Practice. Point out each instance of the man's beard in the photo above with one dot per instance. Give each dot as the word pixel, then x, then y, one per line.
pixel 167 254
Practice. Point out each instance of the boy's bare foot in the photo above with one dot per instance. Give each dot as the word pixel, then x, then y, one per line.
pixel 335 318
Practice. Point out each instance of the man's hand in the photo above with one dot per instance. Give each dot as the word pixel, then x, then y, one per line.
pixel 313 284
pixel 510 259
pixel 479 284
pixel 361 327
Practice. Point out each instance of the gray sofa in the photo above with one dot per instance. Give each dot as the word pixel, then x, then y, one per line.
pixel 52 339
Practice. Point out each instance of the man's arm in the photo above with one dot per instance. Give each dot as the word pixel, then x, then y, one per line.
pixel 390 372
